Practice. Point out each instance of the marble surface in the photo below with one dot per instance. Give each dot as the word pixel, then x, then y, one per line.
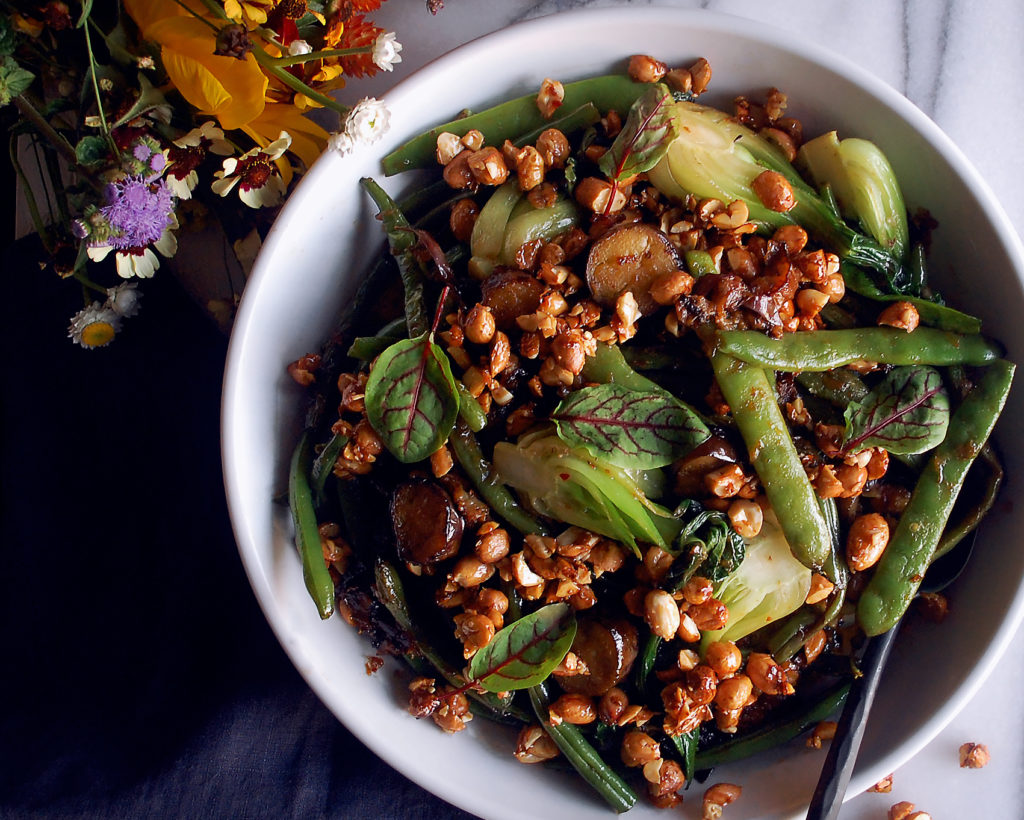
pixel 960 62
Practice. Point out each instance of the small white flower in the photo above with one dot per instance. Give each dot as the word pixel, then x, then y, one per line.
pixel 124 300
pixel 385 51
pixel 94 326
pixel 296 48
pixel 368 120
pixel 145 62
pixel 341 142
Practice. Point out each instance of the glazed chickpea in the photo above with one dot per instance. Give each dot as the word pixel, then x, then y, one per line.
pixel 553 147
pixel 878 464
pixel 868 538
pixel 470 571
pixel 698 590
pixel 853 478
pixel 774 191
pixel 474 631
pixel 820 589
pixel 549 98
pixel 792 237
pixel 639 748
pixel 612 705
pixel 480 326
pixel 746 517
pixel 726 481
pixel 901 315
pixel 441 461
pixel 711 615
pixel 529 168
pixel 457 173
pixel 492 543
pixel 534 745
pixel 448 145
pixel 701 684
pixel 901 810
pixel 733 692
pixel 462 219
pixel 835 287
pixel 657 562
pixel 724 657
pixel 661 613
pixel 783 140
pixel 810 301
pixel 595 194
pixel 575 709
pixel 767 675
pixel 668 287
pixel 700 76
pixel 645 69
pixel 717 796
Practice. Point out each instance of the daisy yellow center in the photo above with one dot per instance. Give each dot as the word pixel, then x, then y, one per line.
pixel 97 334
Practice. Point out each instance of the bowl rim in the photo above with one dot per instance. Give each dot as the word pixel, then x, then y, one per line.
pixel 768 35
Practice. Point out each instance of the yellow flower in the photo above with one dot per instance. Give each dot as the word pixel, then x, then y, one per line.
pixel 232 90
pixel 308 138
pixel 250 12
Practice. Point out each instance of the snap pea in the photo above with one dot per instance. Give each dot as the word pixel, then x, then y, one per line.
pixel 537 223
pixel 699 263
pixel 583 756
pixel 318 579
pixel 913 544
pixel 515 118
pixel 467 452
pixel 829 349
pixel 772 735
pixel 931 313
pixel 993 481
pixel 839 387
pixel 751 397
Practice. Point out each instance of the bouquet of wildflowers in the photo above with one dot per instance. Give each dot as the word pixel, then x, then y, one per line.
pixel 145 117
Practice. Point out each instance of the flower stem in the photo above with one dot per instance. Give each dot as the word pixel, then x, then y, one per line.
pixel 300 59
pixel 30 198
pixel 104 127
pixel 294 83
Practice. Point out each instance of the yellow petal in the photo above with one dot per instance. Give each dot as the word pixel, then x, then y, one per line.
pixel 230 89
pixel 308 138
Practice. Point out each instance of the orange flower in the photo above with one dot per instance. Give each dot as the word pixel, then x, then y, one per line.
pixel 358 33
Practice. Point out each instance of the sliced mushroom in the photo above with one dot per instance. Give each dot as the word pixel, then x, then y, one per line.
pixel 608 649
pixel 509 294
pixel 630 258
pixel 427 526
pixel 690 470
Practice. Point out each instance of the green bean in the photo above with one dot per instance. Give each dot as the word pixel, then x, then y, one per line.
pixel 829 349
pixel 586 114
pixel 318 579
pixel 323 464
pixel 752 398
pixel 931 313
pixel 699 263
pixel 583 756
pixel 515 118
pixel 470 410
pixel 467 452
pixel 913 544
pixel 402 239
pixel 791 635
pixel 772 735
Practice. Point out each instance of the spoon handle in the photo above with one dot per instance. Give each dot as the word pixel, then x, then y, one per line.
pixel 842 753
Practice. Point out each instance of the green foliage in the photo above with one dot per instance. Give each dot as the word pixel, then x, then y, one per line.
pixel 907 412
pixel 14 80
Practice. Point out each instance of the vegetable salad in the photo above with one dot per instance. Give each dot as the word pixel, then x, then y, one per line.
pixel 645 419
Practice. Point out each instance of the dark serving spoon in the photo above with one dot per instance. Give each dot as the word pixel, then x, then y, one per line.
pixel 842 753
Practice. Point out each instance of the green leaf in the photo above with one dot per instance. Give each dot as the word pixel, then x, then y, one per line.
pixel 14 80
pixel 644 139
pixel 149 98
pixel 91 150
pixel 627 428
pixel 709 541
pixel 86 11
pixel 907 412
pixel 8 39
pixel 524 653
pixel 411 398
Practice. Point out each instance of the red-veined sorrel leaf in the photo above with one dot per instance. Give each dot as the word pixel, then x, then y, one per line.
pixel 524 653
pixel 907 412
pixel 411 398
pixel 628 428
pixel 645 137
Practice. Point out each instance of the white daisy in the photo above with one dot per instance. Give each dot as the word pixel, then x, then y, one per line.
pixel 368 120
pixel 94 326
pixel 385 51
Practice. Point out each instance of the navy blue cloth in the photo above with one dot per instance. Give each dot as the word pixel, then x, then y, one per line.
pixel 140 678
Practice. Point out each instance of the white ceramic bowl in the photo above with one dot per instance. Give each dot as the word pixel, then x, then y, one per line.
pixel 308 270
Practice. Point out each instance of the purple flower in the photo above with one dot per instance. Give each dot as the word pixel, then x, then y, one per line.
pixel 138 211
pixel 142 152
